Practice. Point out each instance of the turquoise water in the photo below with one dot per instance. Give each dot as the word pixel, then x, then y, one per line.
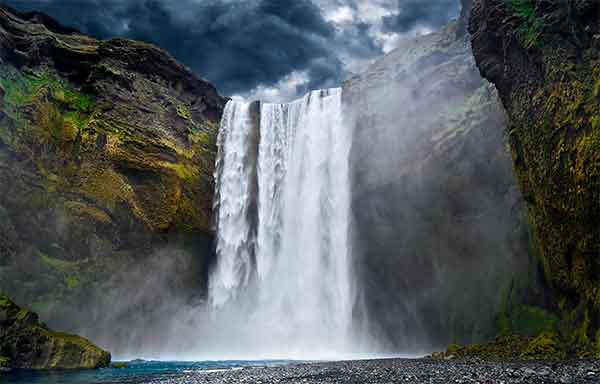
pixel 147 372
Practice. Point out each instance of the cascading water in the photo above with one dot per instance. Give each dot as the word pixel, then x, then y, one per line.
pixel 286 271
pixel 234 179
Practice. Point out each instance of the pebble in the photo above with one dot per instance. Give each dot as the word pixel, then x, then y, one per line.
pixel 413 371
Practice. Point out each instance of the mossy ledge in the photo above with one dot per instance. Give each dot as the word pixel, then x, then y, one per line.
pixel 545 346
pixel 544 58
pixel 27 343
pixel 107 152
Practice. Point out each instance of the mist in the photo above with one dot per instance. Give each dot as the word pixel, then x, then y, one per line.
pixel 435 236
pixel 438 223
pixel 437 231
pixel 405 242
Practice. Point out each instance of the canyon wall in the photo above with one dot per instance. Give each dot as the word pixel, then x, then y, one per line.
pixel 107 153
pixel 543 57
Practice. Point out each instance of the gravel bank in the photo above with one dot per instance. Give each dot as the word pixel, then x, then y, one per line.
pixel 407 371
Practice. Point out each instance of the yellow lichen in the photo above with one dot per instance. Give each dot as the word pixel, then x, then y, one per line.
pixel 555 138
pixel 184 113
pixel 543 347
pixel 85 210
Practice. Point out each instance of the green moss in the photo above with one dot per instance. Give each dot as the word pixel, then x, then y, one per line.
pixel 530 30
pixel 47 349
pixel 204 139
pixel 184 172
pixel 453 349
pixel 5 301
pixel 543 347
pixel 59 110
pixel 22 314
pixel 24 89
pixel 529 321
pixel 106 187
pixel 555 141
pixel 57 264
pixel 69 97
pixel 4 362
pixel 86 211
pixel 597 345
pixel 72 282
pixel 69 338
pixel 184 113
pixel 109 69
pixel 502 348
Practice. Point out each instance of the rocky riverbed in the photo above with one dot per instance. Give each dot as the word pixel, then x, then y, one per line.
pixel 408 371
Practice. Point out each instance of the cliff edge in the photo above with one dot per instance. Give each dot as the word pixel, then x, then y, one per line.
pixel 543 57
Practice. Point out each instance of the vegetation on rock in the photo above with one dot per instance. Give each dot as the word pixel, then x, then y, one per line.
pixel 530 28
pixel 543 347
pixel 549 83
pixel 27 343
pixel 107 151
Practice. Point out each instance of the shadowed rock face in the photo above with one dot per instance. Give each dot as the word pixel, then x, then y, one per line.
pixel 106 160
pixel 438 221
pixel 27 343
pixel 543 56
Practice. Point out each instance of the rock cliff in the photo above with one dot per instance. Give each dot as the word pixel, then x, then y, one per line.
pixel 27 343
pixel 106 159
pixel 441 239
pixel 543 56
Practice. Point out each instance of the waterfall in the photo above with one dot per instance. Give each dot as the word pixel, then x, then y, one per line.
pixel 234 173
pixel 283 259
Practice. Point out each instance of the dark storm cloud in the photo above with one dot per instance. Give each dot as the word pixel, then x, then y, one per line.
pixel 237 45
pixel 241 45
pixel 412 14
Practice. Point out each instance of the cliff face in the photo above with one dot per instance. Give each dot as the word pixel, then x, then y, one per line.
pixel 106 159
pixel 27 343
pixel 438 220
pixel 543 56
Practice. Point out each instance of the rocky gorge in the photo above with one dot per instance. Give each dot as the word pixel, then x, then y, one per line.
pixel 475 195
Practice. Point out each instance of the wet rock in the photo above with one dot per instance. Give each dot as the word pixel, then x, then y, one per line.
pixel 549 83
pixel 27 343
pixel 107 153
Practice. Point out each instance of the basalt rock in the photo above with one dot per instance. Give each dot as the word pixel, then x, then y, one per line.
pixel 107 152
pixel 544 58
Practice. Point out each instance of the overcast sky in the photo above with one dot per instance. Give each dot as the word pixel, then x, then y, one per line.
pixel 274 50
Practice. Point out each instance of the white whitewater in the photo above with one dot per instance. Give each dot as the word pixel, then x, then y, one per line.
pixel 233 178
pixel 282 283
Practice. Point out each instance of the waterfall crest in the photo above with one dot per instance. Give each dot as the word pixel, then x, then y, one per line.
pixel 283 258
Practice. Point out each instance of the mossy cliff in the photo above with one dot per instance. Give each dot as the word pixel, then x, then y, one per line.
pixel 544 58
pixel 27 343
pixel 106 161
